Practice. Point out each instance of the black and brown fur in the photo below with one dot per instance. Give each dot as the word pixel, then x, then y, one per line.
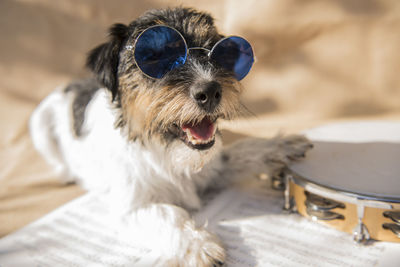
pixel 157 108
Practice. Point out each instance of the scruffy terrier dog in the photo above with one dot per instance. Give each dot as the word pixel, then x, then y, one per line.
pixel 145 131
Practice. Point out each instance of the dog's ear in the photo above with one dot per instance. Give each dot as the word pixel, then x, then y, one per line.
pixel 103 60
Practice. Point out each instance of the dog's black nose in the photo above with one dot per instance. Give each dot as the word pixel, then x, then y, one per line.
pixel 207 95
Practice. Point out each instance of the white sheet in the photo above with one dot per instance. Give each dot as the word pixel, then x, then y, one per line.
pixel 248 219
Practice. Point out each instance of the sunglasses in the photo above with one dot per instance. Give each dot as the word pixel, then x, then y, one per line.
pixel 160 49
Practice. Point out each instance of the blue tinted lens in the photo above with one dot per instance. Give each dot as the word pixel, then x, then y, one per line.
pixel 234 54
pixel 158 50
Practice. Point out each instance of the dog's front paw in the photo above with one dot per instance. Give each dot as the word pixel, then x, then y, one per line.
pixel 286 149
pixel 199 248
pixel 294 147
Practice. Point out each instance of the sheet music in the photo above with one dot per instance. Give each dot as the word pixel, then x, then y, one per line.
pixel 248 219
pixel 77 234
pixel 256 232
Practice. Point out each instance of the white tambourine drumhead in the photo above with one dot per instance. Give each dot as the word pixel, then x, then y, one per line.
pixel 361 158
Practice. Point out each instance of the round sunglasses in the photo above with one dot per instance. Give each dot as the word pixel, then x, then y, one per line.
pixel 160 49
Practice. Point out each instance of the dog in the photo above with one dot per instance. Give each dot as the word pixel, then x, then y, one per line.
pixel 144 129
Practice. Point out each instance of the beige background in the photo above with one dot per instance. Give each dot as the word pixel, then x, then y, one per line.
pixel 317 62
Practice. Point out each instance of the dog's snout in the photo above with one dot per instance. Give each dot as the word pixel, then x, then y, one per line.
pixel 207 95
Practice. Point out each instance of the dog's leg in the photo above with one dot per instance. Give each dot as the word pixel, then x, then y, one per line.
pixel 254 156
pixel 169 229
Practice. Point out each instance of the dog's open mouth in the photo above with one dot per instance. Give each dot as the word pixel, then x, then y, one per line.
pixel 200 135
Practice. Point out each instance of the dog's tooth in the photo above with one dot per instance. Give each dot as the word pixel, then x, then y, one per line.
pixel 195 142
pixel 189 135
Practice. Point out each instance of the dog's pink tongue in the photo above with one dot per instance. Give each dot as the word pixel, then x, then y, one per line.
pixel 203 131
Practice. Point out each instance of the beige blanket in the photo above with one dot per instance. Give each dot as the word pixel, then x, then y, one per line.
pixel 317 62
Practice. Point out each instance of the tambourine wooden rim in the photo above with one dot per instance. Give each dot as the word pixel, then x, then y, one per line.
pixel 364 216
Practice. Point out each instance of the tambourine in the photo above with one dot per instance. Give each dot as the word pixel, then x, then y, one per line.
pixel 350 180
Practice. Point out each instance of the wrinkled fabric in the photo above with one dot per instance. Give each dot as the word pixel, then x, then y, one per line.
pixel 316 62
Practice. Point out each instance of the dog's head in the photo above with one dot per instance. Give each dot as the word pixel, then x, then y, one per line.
pixel 182 104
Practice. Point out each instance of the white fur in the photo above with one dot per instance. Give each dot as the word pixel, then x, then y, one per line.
pixel 151 186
